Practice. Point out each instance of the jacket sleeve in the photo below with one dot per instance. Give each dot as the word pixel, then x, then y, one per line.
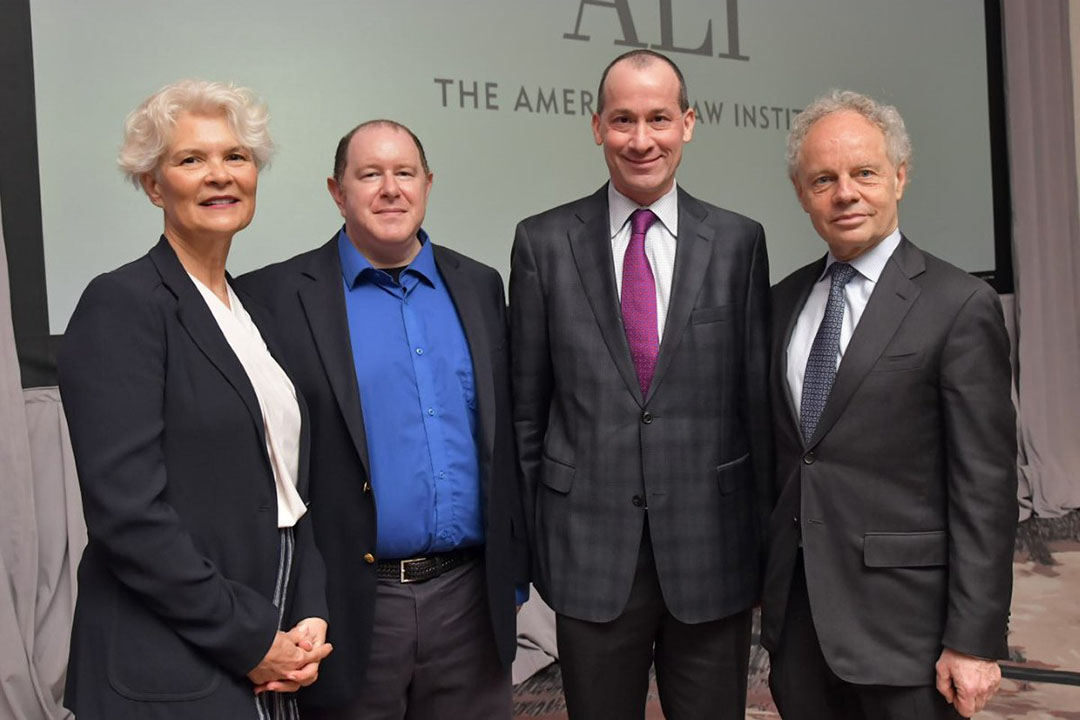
pixel 531 373
pixel 112 367
pixel 980 437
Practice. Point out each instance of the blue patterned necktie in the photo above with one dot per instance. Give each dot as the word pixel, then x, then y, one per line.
pixel 821 365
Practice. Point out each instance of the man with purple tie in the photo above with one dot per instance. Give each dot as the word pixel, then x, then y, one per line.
pixel 639 340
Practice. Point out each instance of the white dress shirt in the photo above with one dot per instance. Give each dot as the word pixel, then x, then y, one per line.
pixel 857 293
pixel 276 395
pixel 659 243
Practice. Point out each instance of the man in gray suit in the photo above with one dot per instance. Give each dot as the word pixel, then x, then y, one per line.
pixel 890 550
pixel 639 326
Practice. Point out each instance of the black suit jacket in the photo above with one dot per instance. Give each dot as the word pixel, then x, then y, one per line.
pixel 175 585
pixel 905 498
pixel 306 297
pixel 697 450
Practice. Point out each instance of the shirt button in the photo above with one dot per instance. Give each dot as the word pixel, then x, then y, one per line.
pixel 369 558
pixel 638 501
pixel 442 474
pixel 419 351
pixel 809 458
pixel 646 417
pixel 431 411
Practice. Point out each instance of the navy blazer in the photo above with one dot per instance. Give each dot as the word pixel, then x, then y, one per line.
pixel 306 297
pixel 175 586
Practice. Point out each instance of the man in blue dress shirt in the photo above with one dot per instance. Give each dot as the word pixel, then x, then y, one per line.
pixel 399 346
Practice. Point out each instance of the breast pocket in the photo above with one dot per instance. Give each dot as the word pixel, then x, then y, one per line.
pixel 895 362
pixel 701 316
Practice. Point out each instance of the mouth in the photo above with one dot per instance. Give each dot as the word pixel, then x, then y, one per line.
pixel 220 201
pixel 849 219
pixel 643 162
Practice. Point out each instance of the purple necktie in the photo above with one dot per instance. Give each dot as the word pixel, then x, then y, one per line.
pixel 639 300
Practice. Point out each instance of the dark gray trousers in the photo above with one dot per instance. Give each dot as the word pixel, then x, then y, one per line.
pixel 700 669
pixel 804 688
pixel 433 654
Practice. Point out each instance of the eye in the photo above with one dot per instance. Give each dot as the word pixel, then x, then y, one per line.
pixel 188 160
pixel 865 173
pixel 236 157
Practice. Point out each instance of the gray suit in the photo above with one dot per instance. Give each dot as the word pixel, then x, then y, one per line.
pixel 904 501
pixel 697 451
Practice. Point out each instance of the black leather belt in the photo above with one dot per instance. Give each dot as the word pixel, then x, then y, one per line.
pixel 419 569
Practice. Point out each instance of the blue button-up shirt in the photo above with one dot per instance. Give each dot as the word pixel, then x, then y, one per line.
pixel 415 375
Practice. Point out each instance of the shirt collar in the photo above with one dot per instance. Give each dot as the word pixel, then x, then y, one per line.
pixel 355 267
pixel 621 207
pixel 871 263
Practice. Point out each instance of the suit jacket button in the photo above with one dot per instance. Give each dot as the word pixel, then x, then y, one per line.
pixel 646 417
pixel 809 458
pixel 369 558
pixel 638 501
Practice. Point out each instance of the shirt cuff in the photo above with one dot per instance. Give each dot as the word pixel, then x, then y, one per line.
pixel 521 594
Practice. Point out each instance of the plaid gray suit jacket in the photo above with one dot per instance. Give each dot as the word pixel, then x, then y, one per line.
pixel 697 450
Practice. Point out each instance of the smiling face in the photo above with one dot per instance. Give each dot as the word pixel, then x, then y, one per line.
pixel 205 181
pixel 383 195
pixel 642 129
pixel 847 184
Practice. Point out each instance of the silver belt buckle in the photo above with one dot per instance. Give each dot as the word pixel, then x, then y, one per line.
pixel 404 562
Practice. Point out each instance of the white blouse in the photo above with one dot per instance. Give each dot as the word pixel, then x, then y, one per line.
pixel 276 395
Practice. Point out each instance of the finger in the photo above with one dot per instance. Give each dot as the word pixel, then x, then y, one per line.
pixel 945 687
pixel 286 686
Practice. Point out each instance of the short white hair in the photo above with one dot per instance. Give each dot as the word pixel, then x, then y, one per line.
pixel 148 128
pixel 885 117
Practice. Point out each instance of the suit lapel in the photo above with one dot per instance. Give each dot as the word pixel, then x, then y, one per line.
pixel 199 323
pixel 786 317
pixel 463 293
pixel 692 250
pixel 889 304
pixel 323 300
pixel 590 243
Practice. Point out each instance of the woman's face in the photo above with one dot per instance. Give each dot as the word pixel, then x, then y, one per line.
pixel 205 181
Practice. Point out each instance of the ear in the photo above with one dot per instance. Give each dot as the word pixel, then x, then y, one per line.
pixel 429 178
pixel 804 201
pixel 336 193
pixel 152 188
pixel 596 129
pixel 689 119
pixel 901 181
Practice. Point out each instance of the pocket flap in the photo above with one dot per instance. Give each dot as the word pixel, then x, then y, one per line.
pixel 710 314
pixel 910 549
pixel 727 475
pixel 556 475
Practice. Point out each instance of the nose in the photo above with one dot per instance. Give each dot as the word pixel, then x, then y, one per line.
pixel 390 187
pixel 217 172
pixel 640 139
pixel 846 190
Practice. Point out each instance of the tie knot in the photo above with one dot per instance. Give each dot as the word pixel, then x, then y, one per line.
pixel 641 220
pixel 841 273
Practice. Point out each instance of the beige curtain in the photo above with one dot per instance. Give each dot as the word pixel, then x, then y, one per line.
pixel 1046 250
pixel 42 536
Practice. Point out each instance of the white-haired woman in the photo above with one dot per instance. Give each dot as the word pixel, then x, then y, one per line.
pixel 201 593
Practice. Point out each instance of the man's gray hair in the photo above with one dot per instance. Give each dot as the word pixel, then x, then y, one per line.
pixel 885 117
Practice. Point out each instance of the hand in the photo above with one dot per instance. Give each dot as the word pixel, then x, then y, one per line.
pixel 292 660
pixel 966 681
pixel 312 631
